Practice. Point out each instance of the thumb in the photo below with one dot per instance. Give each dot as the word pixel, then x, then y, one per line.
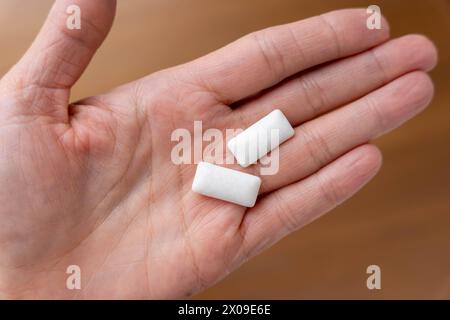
pixel 73 31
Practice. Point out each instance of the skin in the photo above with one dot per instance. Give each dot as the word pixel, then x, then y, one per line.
pixel 91 183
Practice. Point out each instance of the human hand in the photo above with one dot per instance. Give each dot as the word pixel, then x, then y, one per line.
pixel 92 183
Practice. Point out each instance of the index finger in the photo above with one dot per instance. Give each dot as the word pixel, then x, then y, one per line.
pixel 262 59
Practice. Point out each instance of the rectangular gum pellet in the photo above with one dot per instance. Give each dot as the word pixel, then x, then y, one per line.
pixel 226 184
pixel 260 138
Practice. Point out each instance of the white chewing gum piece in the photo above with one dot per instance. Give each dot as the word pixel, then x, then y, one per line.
pixel 226 184
pixel 260 138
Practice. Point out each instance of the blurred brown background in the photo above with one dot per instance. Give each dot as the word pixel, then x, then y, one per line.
pixel 400 221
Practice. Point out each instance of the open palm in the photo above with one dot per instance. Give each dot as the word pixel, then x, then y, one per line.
pixel 92 183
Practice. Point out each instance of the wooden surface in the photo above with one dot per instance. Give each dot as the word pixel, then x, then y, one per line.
pixel 401 221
